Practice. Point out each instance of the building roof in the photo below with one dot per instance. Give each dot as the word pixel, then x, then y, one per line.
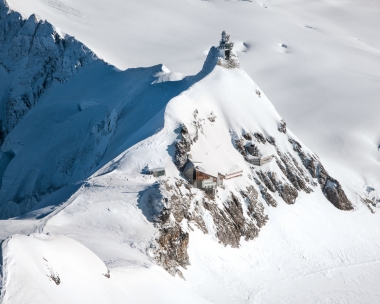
pixel 157 169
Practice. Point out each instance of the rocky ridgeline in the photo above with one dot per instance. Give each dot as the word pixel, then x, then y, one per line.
pixel 34 55
pixel 301 175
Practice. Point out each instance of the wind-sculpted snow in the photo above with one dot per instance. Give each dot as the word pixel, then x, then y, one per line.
pixel 32 56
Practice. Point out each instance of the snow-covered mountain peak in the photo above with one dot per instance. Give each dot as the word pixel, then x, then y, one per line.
pixel 152 169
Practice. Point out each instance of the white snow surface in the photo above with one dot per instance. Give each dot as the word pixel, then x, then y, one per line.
pixel 325 83
pixel 114 123
pixel 307 253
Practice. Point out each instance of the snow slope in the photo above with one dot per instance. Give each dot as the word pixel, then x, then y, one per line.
pixel 102 128
pixel 108 213
pixel 325 83
pixel 57 269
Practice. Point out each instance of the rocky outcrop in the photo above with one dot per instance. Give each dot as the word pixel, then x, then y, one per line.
pixel 255 207
pixel 291 169
pixel 301 175
pixel 282 127
pixel 331 187
pixel 173 242
pixel 335 194
pixel 183 147
pixel 247 136
pixel 260 137
pixel 34 55
pixel 239 145
pixel 176 210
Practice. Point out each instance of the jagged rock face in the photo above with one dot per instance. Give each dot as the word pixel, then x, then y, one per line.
pixel 176 203
pixel 301 178
pixel 183 147
pixel 335 194
pixel 33 55
pixel 173 242
pixel 331 187
pixel 255 207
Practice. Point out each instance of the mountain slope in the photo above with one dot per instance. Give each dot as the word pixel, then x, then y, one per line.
pixel 324 84
pixel 76 165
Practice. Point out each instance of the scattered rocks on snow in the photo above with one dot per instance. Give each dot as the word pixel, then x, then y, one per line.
pixel 282 127
pixel 255 207
pixel 56 279
pixel 258 93
pixel 247 136
pixel 260 137
pixel 212 117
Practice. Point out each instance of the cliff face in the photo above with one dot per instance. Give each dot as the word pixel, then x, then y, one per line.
pixel 32 56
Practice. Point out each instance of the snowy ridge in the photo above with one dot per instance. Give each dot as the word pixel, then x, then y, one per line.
pixel 73 173
pixel 32 55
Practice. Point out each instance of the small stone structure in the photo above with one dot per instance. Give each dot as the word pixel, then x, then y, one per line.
pixel 252 149
pixel 254 156
pixel 157 172
pixel 258 160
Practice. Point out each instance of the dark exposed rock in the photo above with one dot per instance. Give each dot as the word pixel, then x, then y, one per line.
pixel 56 279
pixel 197 218
pixel 226 232
pixel 296 145
pixel 173 249
pixel 369 203
pixel 177 205
pixel 255 207
pixel 212 117
pixel 271 140
pixel 230 223
pixel 288 193
pixel 258 93
pixel 239 144
pixel 282 127
pixel 330 187
pixel 183 147
pixel 321 175
pixel 268 197
pixel 266 180
pixel 260 137
pixel 247 136
pixel 335 194
pixel 289 166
